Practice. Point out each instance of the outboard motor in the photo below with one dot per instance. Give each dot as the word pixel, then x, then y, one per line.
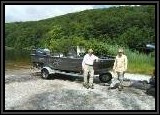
pixel 40 57
pixel 47 51
pixel 40 52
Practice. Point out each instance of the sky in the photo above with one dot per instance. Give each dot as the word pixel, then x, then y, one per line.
pixel 21 13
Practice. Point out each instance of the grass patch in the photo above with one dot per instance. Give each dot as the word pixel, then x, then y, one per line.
pixel 140 63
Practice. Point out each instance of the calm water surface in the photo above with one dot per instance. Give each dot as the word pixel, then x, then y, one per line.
pixel 17 59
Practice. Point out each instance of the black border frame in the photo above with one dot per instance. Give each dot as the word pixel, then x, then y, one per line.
pixel 102 2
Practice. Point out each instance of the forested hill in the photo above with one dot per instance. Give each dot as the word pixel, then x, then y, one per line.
pixel 128 26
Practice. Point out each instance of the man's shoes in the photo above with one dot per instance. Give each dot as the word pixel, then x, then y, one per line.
pixel 109 88
pixel 86 85
pixel 92 87
pixel 120 88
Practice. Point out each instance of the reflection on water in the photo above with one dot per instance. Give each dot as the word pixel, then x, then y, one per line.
pixel 17 58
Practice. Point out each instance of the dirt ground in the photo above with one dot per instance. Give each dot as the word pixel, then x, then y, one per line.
pixel 25 90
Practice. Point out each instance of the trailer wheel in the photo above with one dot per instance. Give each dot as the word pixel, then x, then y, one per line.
pixel 45 74
pixel 105 78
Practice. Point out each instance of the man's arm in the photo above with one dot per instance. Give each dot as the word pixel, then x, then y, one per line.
pixel 115 63
pixel 83 62
pixel 96 58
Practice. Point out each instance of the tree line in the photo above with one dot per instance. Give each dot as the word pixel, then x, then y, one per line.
pixel 124 26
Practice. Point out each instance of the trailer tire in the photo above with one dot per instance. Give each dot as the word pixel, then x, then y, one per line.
pixel 45 74
pixel 105 78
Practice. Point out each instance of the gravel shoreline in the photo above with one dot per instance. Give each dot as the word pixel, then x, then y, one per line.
pixel 25 91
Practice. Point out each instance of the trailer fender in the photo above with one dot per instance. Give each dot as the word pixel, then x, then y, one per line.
pixel 110 72
pixel 51 71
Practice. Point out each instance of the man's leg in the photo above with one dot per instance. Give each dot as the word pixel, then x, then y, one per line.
pixel 91 74
pixel 114 81
pixel 85 75
pixel 120 78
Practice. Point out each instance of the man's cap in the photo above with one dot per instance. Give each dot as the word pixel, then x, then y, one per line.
pixel 90 51
pixel 120 50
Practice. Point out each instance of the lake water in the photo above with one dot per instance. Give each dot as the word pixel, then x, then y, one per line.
pixel 17 58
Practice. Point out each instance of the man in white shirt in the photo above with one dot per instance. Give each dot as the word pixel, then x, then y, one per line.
pixel 119 68
pixel 87 67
